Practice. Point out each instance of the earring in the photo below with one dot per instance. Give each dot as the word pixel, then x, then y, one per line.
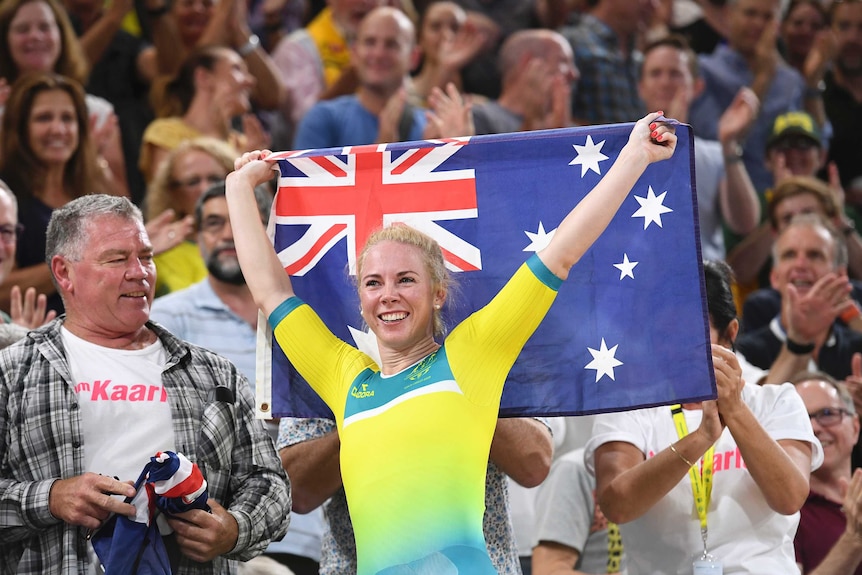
pixel 437 306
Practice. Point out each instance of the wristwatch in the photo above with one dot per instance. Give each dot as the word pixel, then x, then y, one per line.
pixel 734 155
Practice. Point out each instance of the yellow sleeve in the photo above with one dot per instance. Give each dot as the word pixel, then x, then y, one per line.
pixel 328 364
pixel 483 348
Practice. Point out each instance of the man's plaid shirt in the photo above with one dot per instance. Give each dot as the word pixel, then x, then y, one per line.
pixel 41 440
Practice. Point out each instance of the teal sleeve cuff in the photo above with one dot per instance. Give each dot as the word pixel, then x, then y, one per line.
pixel 541 271
pixel 283 309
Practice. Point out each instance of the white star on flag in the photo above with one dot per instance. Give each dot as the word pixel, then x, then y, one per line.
pixel 603 361
pixel 589 156
pixel 538 240
pixel 366 342
pixel 651 208
pixel 626 267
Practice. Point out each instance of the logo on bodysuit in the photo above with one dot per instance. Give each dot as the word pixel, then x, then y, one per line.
pixel 361 394
pixel 421 370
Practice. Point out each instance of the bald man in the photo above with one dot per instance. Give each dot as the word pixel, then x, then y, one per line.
pixel 378 112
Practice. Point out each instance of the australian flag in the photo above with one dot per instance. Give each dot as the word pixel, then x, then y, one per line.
pixel 629 328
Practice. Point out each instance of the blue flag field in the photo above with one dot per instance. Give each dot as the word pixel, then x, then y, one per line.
pixel 629 328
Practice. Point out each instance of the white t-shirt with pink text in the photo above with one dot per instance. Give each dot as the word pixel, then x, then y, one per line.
pixel 745 534
pixel 125 412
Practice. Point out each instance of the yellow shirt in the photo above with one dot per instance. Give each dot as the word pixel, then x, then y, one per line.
pixel 331 45
pixel 179 268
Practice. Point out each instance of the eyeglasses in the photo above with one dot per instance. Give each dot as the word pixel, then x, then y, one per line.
pixel 829 416
pixel 795 143
pixel 10 233
pixel 196 181
pixel 213 224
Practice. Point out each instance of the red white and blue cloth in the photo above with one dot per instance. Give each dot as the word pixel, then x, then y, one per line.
pixel 169 483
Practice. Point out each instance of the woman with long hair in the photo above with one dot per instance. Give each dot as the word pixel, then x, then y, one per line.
pixel 48 158
pixel 187 172
pixel 37 36
pixel 211 89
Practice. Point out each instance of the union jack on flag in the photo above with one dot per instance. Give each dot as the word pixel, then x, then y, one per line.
pixel 629 327
pixel 347 194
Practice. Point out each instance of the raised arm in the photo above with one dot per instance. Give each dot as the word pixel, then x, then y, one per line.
pixel 650 141
pixel 269 283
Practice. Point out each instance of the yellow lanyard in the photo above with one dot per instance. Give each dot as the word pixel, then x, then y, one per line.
pixel 701 480
pixel 615 548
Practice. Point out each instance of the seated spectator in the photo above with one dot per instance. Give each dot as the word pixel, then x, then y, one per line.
pixel 808 272
pixel 211 89
pixel 795 195
pixel 669 80
pixel 48 158
pixel 842 86
pixel 749 58
pixel 827 541
pixel 195 24
pixel 538 72
pixel 45 25
pixel 449 38
pixel 30 310
pixel 729 490
pixel 572 535
pixel 379 111
pixel 315 61
pixel 65 443
pixel 186 173
pixel 803 27
pixel 795 148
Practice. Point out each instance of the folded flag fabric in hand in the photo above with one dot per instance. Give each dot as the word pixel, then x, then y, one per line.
pixel 169 483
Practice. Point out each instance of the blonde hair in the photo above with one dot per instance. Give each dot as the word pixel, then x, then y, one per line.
pixel 432 257
pixel 159 193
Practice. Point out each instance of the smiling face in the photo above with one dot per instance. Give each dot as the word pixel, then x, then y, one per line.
pixel 215 240
pixel 53 127
pixel 34 38
pixel 838 439
pixel 803 253
pixel 108 291
pixel 397 295
pixel 801 156
pixel 800 27
pixel 382 51
pixel 192 173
